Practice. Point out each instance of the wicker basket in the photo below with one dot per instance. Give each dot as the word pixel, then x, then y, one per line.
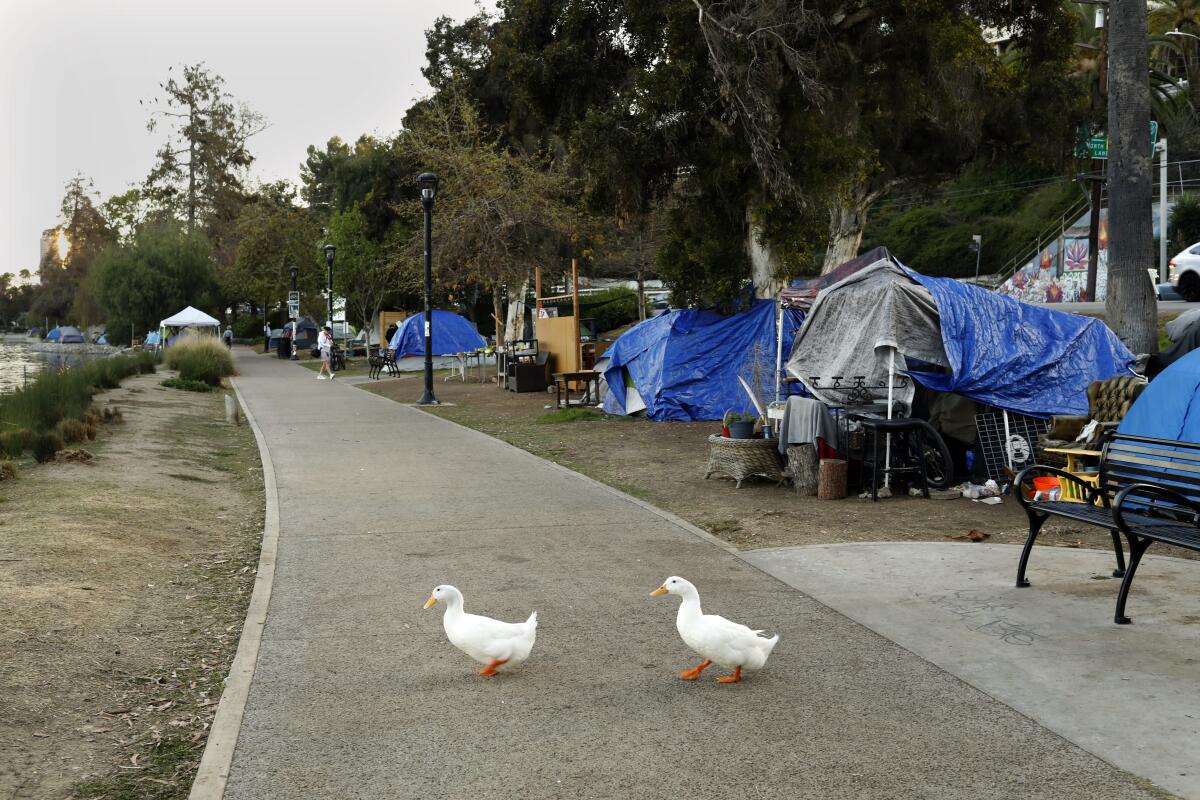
pixel 742 458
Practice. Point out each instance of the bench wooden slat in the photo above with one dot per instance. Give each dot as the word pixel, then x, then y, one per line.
pixel 1159 463
pixel 1185 454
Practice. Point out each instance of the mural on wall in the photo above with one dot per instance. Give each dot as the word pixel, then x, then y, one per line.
pixel 1058 274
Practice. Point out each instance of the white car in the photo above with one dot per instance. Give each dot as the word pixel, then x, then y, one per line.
pixel 1184 272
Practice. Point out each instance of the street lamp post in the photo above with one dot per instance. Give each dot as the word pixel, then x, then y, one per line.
pixel 329 252
pixel 977 246
pixel 293 314
pixel 428 183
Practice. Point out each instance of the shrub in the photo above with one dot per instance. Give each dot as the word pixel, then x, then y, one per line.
pixel 45 445
pixel 67 394
pixel 187 385
pixel 200 358
pixel 72 430
pixel 248 328
pixel 14 443
pixel 1184 224
pixel 8 471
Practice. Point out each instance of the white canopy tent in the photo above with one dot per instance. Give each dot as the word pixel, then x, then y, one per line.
pixel 187 318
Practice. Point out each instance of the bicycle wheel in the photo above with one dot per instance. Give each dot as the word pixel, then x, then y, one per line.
pixel 939 466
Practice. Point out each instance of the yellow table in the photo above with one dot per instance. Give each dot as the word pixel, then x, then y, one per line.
pixel 1077 460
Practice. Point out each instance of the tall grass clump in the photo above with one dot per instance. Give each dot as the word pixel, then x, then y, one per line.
pixel 200 358
pixel 30 413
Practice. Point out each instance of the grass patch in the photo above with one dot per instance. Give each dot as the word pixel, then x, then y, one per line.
pixel 564 415
pixel 200 358
pixel 187 385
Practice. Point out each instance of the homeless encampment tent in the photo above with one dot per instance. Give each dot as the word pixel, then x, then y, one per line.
pixel 685 364
pixel 451 334
pixel 65 334
pixel 952 337
pixel 191 319
pixel 1169 408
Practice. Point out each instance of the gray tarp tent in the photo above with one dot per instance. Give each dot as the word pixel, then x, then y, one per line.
pixel 856 325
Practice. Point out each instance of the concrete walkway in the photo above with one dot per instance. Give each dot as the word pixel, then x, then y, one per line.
pixel 1125 692
pixel 356 693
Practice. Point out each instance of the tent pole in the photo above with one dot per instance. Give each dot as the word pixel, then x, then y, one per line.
pixel 1007 442
pixel 778 350
pixel 887 459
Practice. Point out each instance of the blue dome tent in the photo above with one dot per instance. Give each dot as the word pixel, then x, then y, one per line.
pixel 451 334
pixel 685 364
pixel 1169 408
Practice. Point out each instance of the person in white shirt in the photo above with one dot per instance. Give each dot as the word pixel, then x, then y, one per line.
pixel 325 345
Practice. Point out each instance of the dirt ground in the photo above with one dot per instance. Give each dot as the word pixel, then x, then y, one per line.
pixel 123 586
pixel 664 463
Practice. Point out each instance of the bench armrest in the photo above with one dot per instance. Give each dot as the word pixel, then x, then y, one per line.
pixel 1029 473
pixel 1152 490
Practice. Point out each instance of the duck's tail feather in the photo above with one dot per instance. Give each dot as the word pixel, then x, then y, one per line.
pixel 768 645
pixel 531 623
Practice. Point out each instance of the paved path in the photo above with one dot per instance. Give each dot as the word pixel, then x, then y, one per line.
pixel 357 694
pixel 1050 651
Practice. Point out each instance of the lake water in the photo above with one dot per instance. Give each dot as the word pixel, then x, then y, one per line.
pixel 20 363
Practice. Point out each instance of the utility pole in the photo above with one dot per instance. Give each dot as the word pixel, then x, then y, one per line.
pixel 1162 210
pixel 1097 181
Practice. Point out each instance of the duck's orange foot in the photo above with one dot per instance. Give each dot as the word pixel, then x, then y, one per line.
pixel 736 677
pixel 490 669
pixel 692 674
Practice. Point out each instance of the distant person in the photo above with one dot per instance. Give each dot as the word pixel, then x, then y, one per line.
pixel 266 337
pixel 228 337
pixel 325 345
pixel 387 337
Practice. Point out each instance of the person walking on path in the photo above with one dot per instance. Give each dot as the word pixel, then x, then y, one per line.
pixel 228 337
pixel 325 345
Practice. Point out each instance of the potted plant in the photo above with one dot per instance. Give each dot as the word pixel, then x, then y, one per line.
pixel 741 425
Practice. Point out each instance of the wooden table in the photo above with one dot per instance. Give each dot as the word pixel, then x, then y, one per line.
pixel 563 381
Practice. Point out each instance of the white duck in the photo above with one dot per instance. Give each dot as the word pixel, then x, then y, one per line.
pixel 488 641
pixel 726 643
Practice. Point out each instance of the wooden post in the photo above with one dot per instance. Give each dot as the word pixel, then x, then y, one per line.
pixel 831 479
pixel 537 292
pixel 575 310
pixel 802 463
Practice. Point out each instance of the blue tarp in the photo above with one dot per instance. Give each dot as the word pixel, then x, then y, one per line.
pixel 1017 356
pixel 53 335
pixel 685 364
pixel 151 338
pixel 1169 408
pixel 451 334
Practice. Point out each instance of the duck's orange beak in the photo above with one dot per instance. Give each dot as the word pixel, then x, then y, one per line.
pixel 659 592
pixel 431 602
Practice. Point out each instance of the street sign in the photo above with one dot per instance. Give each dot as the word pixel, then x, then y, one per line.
pixel 293 304
pixel 1097 146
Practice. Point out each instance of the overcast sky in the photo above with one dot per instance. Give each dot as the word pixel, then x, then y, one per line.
pixel 72 72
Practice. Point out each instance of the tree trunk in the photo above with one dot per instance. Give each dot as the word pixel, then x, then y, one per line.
pixel 192 168
pixel 763 262
pixel 641 282
pixel 847 220
pixel 1129 308
pixel 803 464
pixel 497 309
pixel 515 321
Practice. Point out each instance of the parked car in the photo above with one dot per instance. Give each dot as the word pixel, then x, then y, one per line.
pixel 1184 273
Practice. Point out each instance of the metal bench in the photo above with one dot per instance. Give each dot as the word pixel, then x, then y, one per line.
pixel 381 362
pixel 1148 491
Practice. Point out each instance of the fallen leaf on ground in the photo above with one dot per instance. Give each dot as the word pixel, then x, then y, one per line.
pixel 970 536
